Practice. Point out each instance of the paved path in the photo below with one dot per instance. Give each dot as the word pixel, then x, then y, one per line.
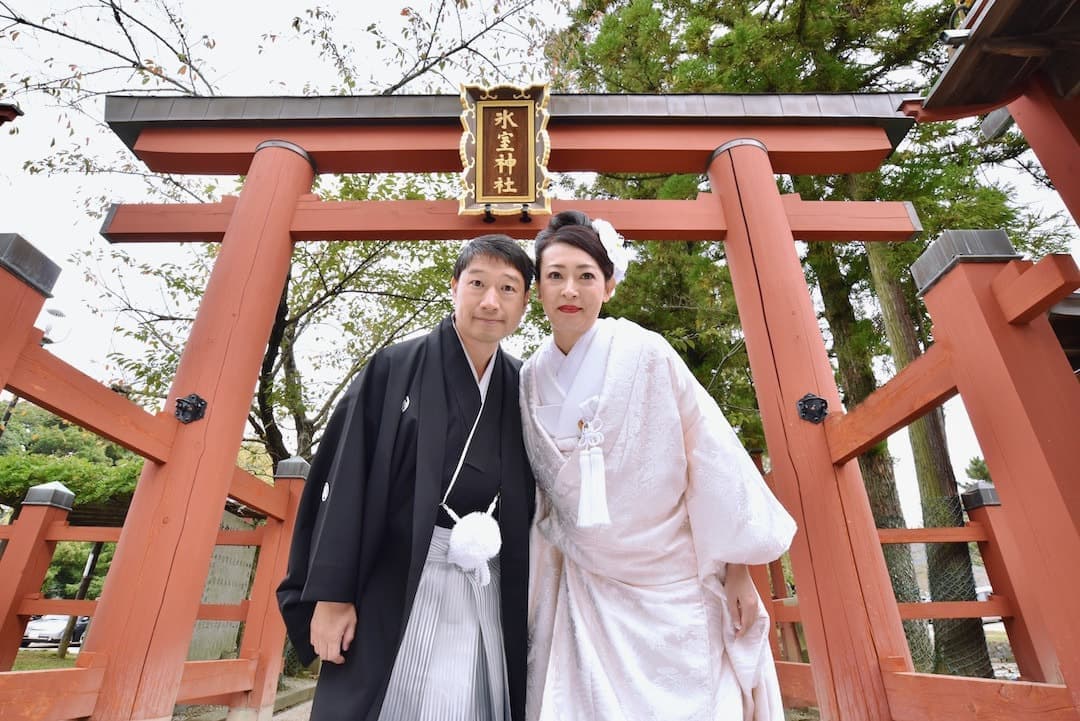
pixel 300 712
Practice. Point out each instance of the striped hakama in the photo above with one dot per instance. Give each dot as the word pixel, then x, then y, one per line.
pixel 450 666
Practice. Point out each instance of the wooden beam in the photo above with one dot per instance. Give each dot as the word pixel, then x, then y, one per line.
pixel 202 679
pixel 973 531
pixel 270 499
pixel 680 220
pixel 1026 292
pixel 851 220
pixel 796 684
pixel 239 537
pixel 223 611
pixel 602 147
pixel 60 606
pixel 49 382
pixel 61 693
pixel 995 606
pixel 64 532
pixel 785 610
pixel 920 386
pixel 930 697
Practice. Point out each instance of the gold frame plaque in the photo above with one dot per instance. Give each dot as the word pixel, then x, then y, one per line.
pixel 504 150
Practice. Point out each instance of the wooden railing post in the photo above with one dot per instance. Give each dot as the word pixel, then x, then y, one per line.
pixel 1029 638
pixel 264 631
pixel 1024 404
pixel 26 560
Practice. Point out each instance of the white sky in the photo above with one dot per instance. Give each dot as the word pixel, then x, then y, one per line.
pixel 48 211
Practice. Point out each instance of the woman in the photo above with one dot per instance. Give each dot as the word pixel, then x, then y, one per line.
pixel 641 605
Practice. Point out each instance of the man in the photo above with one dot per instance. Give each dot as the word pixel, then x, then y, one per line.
pixel 403 633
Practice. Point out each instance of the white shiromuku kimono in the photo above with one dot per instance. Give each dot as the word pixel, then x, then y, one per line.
pixel 628 620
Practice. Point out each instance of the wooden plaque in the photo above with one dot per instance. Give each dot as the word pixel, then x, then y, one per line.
pixel 504 150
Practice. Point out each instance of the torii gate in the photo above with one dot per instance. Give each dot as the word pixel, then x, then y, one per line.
pixel 133 663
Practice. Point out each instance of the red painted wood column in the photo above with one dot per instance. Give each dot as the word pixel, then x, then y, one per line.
pixel 846 601
pixel 264 632
pixel 26 560
pixel 1024 404
pixel 154 587
pixel 1051 126
pixel 1029 638
pixel 26 280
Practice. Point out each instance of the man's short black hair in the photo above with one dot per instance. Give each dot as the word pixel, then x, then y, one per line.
pixel 501 247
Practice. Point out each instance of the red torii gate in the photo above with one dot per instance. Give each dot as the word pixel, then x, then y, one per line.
pixel 1018 60
pixel 133 663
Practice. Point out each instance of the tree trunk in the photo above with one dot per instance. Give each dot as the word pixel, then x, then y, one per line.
pixel 857 382
pixel 959 644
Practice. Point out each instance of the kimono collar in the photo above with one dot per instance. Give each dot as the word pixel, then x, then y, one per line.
pixel 481 382
pixel 568 386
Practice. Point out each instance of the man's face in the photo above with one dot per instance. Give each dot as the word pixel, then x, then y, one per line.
pixel 489 300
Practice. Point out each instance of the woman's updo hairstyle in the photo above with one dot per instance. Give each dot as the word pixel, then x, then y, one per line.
pixel 573 228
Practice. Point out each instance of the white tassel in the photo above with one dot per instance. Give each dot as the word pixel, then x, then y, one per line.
pixel 584 509
pixel 592 503
pixel 474 540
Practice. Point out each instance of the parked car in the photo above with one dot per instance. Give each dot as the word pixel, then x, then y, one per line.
pixel 49 629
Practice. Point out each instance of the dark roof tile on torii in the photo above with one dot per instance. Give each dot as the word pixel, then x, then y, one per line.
pixel 844 115
pixel 1006 43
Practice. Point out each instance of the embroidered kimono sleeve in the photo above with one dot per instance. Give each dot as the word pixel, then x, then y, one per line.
pixel 734 517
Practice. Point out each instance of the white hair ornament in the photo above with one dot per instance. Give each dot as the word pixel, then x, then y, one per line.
pixel 614 244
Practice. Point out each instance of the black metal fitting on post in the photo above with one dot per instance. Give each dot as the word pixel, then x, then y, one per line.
pixel 489 217
pixel 190 409
pixel 525 217
pixel 812 408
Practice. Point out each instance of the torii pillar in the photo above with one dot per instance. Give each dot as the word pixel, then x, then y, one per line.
pixel 855 634
pixel 1051 125
pixel 154 588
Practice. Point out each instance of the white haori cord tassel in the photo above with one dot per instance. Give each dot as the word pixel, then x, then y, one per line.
pixel 475 538
pixel 592 502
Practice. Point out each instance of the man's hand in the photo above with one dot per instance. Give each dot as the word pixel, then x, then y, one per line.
pixel 333 626
pixel 742 598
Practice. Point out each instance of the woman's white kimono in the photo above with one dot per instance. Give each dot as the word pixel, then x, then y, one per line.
pixel 628 620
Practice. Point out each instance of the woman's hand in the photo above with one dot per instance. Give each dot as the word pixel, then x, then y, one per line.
pixel 333 626
pixel 742 598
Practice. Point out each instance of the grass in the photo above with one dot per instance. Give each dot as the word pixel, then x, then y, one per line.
pixel 40 659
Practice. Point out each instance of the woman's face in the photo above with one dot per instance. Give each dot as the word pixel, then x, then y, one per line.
pixel 572 289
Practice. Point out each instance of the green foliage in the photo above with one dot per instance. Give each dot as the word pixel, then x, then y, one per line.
pixel 65 572
pixel 730 46
pixel 977 471
pixel 680 291
pixel 90 482
pixel 38 447
pixel 32 430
